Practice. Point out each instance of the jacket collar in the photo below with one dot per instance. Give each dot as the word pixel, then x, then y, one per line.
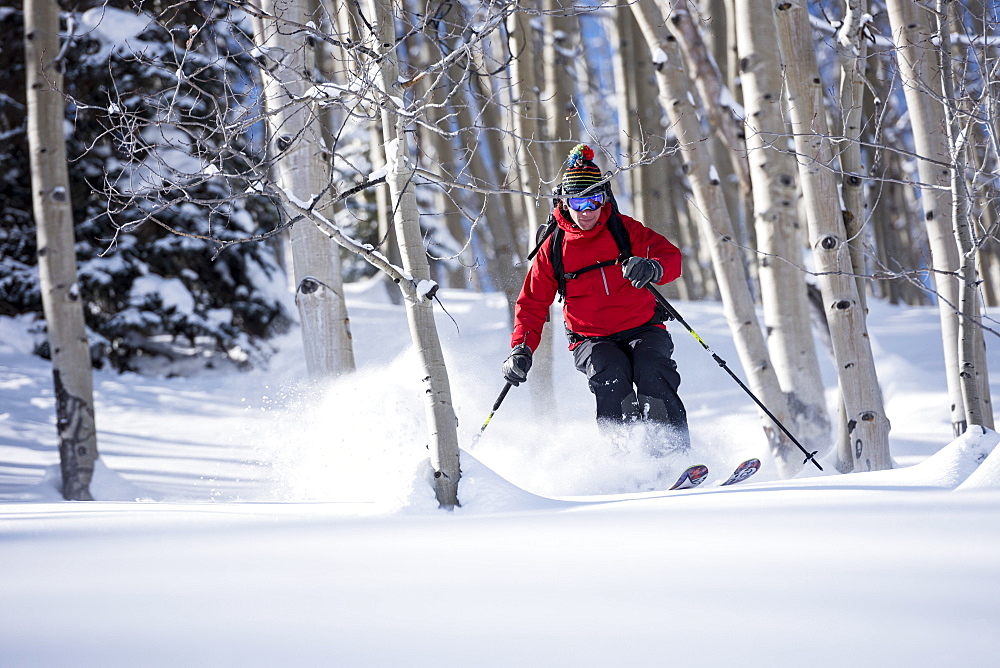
pixel 572 231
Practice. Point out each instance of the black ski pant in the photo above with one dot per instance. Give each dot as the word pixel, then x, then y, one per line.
pixel 633 377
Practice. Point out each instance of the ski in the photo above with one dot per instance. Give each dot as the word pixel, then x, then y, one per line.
pixel 743 471
pixel 692 477
pixel 697 474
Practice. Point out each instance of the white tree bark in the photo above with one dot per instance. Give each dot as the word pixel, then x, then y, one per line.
pixel 296 146
pixel 508 272
pixel 867 422
pixel 557 90
pixel 528 155
pixel 441 421
pixel 971 352
pixel 852 49
pixel 561 35
pixel 524 116
pixel 779 233
pixel 718 104
pixel 707 79
pixel 914 35
pixel 717 230
pixel 622 36
pixel 53 211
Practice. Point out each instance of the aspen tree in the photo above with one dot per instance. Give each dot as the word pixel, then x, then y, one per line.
pixel 53 211
pixel 971 351
pixel 717 229
pixel 439 410
pixel 528 156
pixel 867 422
pixel 914 36
pixel 729 156
pixel 779 231
pixel 439 147
pixel 851 54
pixel 296 147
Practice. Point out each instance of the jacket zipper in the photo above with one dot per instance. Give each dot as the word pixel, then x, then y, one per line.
pixel 604 278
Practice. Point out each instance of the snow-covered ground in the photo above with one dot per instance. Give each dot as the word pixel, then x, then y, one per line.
pixel 260 520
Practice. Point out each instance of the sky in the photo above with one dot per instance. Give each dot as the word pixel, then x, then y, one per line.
pixel 261 519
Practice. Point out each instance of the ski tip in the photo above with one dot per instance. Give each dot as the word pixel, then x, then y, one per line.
pixel 743 471
pixel 691 477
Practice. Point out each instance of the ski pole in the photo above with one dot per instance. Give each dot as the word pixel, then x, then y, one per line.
pixel 496 405
pixel 810 456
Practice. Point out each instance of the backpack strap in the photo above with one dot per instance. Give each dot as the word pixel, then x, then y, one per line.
pixel 618 231
pixel 542 233
pixel 556 254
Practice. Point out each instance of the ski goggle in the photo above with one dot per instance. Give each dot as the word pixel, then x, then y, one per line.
pixel 588 203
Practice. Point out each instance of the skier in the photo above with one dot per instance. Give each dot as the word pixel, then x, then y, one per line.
pixel 614 328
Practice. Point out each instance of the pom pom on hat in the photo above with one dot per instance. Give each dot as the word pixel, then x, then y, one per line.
pixel 579 153
pixel 581 173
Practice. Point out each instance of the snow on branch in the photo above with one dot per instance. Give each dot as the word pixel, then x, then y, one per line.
pixel 422 290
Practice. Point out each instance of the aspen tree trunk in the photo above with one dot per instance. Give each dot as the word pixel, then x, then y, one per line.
pixel 728 146
pixel 851 53
pixel 348 21
pixel 622 33
pixel 439 148
pixel 717 231
pixel 727 53
pixel 641 135
pixel 971 352
pixel 529 157
pixel 982 15
pixel 897 235
pixel 694 277
pixel 916 59
pixel 439 410
pixel 989 267
pixel 556 95
pixel 387 242
pixel 883 189
pixel 711 88
pixel 647 192
pixel 53 212
pixel 487 151
pixel 713 14
pixel 652 179
pixel 586 106
pixel 508 270
pixel 440 152
pixel 894 244
pixel 851 50
pixel 779 231
pixel 525 107
pixel 560 84
pixel 984 205
pixel 867 422
pixel 718 18
pixel 296 147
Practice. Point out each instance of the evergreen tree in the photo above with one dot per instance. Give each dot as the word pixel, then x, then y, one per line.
pixel 158 286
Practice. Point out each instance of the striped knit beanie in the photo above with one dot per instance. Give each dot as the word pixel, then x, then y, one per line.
pixel 581 172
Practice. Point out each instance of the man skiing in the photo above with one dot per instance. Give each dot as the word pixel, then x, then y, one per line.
pixel 600 262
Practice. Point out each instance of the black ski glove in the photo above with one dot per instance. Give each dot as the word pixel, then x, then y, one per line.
pixel 642 271
pixel 515 368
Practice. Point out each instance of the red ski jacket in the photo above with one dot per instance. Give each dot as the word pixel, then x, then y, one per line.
pixel 599 302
